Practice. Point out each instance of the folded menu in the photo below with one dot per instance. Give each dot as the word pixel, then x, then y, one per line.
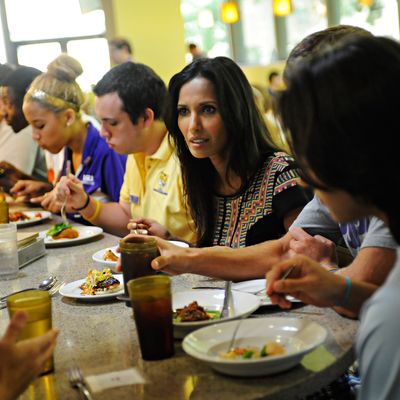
pixel 30 247
pixel 24 238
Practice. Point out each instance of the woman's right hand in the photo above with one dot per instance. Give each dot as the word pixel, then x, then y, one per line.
pixel 308 282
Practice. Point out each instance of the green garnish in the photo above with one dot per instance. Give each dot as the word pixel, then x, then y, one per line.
pixel 248 354
pixel 263 352
pixel 57 228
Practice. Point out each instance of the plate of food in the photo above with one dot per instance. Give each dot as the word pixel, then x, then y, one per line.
pixel 28 218
pixel 67 235
pixel 263 346
pixel 109 256
pixel 194 309
pixel 106 257
pixel 98 285
pixel 257 287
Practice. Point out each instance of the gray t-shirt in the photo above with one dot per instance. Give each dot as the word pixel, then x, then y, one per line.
pixel 377 346
pixel 366 232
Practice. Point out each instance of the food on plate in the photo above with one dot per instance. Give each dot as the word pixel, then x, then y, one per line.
pixel 109 255
pixel 21 216
pixel 246 353
pixel 62 231
pixel 17 216
pixel 194 312
pixel 100 282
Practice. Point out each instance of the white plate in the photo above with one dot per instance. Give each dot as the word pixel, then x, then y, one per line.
pixel 33 220
pixel 243 305
pixel 98 256
pixel 85 233
pixel 298 336
pixel 257 287
pixel 73 291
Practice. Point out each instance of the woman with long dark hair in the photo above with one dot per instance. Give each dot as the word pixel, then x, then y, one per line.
pixel 241 189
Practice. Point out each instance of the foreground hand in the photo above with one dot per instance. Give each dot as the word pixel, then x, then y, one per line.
pixel 308 282
pixel 30 188
pixel 316 247
pixel 151 226
pixel 21 362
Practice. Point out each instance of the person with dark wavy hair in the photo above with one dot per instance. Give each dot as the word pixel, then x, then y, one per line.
pixel 240 188
pixel 342 119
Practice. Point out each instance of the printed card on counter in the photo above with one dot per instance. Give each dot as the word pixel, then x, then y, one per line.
pixel 98 383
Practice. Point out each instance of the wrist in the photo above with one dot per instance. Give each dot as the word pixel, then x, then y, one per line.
pixel 344 291
pixel 87 200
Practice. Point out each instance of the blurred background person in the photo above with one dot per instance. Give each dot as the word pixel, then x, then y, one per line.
pixel 25 154
pixel 196 52
pixel 121 51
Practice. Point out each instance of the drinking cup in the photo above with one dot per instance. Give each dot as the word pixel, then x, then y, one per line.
pixel 152 311
pixel 37 304
pixel 136 256
pixel 8 251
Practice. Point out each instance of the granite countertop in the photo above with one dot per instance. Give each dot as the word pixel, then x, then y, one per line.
pixel 100 337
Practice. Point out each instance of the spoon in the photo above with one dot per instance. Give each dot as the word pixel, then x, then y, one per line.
pixel 46 284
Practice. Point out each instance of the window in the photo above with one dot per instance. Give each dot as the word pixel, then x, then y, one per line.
pixel 308 16
pixel 47 28
pixel 258 31
pixel 380 17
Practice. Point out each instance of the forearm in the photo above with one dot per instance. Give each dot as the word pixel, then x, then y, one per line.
pixel 235 264
pixel 112 217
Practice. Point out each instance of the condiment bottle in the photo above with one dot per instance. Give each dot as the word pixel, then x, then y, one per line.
pixel 3 210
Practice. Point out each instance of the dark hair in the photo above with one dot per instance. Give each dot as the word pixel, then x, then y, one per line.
pixel 19 81
pixel 192 46
pixel 5 71
pixel 315 42
pixel 272 75
pixel 343 119
pixel 138 87
pixel 120 43
pixel 249 138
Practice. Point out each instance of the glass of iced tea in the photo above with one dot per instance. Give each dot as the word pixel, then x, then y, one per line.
pixel 37 304
pixel 152 311
pixel 136 256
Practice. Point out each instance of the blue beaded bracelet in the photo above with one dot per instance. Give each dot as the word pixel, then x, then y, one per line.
pixel 346 293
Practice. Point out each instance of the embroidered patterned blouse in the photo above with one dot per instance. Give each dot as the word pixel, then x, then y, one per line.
pixel 257 214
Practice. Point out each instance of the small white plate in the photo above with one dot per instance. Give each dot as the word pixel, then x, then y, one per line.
pixel 98 256
pixel 85 233
pixel 243 305
pixel 298 336
pixel 33 219
pixel 257 287
pixel 73 291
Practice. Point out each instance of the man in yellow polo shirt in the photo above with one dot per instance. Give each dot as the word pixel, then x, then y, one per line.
pixel 129 102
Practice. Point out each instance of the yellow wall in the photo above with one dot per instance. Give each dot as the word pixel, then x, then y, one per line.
pixel 155 29
pixel 258 74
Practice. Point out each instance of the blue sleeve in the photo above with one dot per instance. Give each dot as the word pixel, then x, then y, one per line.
pixel 113 175
pixel 378 347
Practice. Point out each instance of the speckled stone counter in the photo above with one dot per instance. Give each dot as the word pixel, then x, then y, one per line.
pixel 100 337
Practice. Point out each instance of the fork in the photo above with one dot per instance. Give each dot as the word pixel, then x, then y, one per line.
pixel 63 214
pixel 227 299
pixel 77 381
